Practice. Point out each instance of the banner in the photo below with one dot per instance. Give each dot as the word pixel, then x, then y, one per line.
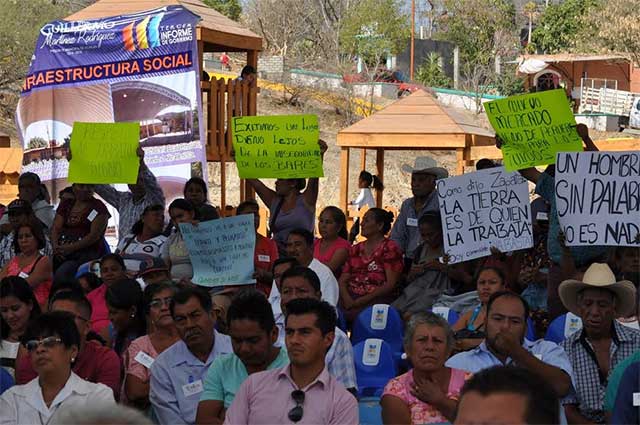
pixel 140 68
pixel 221 251
pixel 484 209
pixel 533 128
pixel 104 153
pixel 598 197
pixel 279 147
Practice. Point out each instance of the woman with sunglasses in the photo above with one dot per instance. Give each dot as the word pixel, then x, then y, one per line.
pixel 53 341
pixel 142 351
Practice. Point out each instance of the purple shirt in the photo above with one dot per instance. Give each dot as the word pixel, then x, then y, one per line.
pixel 265 398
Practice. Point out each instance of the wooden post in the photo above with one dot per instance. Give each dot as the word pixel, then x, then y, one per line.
pixel 344 178
pixel 363 159
pixel 460 161
pixel 380 172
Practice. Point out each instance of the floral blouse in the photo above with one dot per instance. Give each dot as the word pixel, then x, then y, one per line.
pixel 367 273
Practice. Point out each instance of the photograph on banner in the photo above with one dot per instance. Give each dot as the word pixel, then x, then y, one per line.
pixel 533 128
pixel 484 209
pixel 221 251
pixel 277 146
pixel 104 153
pixel 138 68
pixel 598 197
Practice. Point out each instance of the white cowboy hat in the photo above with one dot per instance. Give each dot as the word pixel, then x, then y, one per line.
pixel 426 165
pixel 599 276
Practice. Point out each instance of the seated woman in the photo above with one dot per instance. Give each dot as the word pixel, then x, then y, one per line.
pixel 372 270
pixel 29 263
pixel 112 269
pixel 195 191
pixel 18 306
pixel 332 247
pixel 266 250
pixel 469 328
pixel 126 315
pixel 290 208
pixel 174 251
pixel 53 341
pixel 429 392
pixel 78 231
pixel 144 241
pixel 142 351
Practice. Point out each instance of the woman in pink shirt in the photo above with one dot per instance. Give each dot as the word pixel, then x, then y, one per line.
pixel 332 248
pixel 112 269
pixel 429 392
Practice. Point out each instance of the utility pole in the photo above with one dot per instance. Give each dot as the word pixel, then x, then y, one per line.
pixel 413 36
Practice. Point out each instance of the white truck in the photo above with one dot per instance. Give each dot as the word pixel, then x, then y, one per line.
pixel 605 100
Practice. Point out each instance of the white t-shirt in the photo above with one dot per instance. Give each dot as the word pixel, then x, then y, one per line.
pixel 365 197
pixel 133 252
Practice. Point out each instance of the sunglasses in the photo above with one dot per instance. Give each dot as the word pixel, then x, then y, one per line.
pixel 48 342
pixel 297 412
pixel 159 302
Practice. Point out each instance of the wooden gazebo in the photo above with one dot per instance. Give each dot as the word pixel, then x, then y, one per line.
pixel 221 100
pixel 416 122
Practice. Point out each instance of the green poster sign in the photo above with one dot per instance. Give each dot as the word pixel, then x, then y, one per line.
pixel 280 146
pixel 533 128
pixel 104 153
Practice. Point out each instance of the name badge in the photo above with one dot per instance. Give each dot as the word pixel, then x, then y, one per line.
pixel 264 258
pixel 92 215
pixel 144 359
pixel 23 275
pixel 413 222
pixel 542 216
pixel 193 388
pixel 636 399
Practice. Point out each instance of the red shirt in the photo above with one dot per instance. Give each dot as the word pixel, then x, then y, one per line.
pixel 265 254
pixel 367 273
pixel 95 364
pixel 77 225
pixel 99 312
pixel 325 257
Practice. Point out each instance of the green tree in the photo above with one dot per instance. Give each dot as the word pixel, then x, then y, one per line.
pixel 373 28
pixel 430 72
pixel 230 8
pixel 560 24
pixel 37 142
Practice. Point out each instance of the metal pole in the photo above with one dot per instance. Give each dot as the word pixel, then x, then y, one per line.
pixel 413 36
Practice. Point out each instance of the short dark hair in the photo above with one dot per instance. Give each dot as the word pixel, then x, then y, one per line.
pixel 247 69
pixel 60 323
pixel 30 176
pixel 185 293
pixel 285 260
pixel 303 233
pixel 432 218
pixel 245 205
pixel 508 294
pixel 198 182
pixel 63 285
pixel 542 401
pixel 36 228
pixel 325 313
pixel 136 229
pixel 183 204
pixel 15 286
pixel 75 297
pixel 150 291
pixel 251 305
pixel 304 272
pixel 67 189
pixel 113 257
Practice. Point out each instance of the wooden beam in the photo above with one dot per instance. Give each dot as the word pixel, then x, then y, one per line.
pixel 401 141
pixel 460 161
pixel 344 178
pixel 232 40
pixel 380 172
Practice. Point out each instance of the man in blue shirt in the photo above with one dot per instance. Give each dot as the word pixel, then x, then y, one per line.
pixel 178 372
pixel 253 332
pixel 506 325
pixel 627 407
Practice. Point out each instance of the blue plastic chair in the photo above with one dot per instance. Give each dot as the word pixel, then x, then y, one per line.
pixel 391 332
pixel 559 329
pixel 446 313
pixel 375 366
pixel 370 411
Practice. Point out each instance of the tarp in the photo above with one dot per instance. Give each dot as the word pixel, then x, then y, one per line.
pixel 532 66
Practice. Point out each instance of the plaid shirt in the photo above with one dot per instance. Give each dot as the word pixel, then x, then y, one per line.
pixel 589 386
pixel 130 211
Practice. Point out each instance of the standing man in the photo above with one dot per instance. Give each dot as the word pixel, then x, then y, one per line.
pixel 177 374
pixel 602 343
pixel 131 204
pixel 303 392
pixel 425 199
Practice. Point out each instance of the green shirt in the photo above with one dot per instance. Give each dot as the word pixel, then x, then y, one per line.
pixel 614 381
pixel 227 373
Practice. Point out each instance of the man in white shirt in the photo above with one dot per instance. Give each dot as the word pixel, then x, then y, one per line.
pixel 29 189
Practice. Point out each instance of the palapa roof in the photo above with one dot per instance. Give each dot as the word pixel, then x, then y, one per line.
pixel 575 57
pixel 10 160
pixel 416 121
pixel 215 29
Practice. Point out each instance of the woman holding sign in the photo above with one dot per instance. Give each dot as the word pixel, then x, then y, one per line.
pixel 78 231
pixel 289 207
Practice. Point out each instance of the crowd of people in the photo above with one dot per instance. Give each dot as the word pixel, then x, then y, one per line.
pixel 82 327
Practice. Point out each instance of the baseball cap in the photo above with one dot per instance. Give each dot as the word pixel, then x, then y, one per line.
pixel 152 265
pixel 19 206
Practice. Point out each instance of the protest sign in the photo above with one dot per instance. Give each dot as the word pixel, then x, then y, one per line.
pixel 598 197
pixel 284 146
pixel 533 128
pixel 484 209
pixel 104 153
pixel 221 251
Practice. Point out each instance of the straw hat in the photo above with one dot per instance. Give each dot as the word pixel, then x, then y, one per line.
pixel 599 276
pixel 426 165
